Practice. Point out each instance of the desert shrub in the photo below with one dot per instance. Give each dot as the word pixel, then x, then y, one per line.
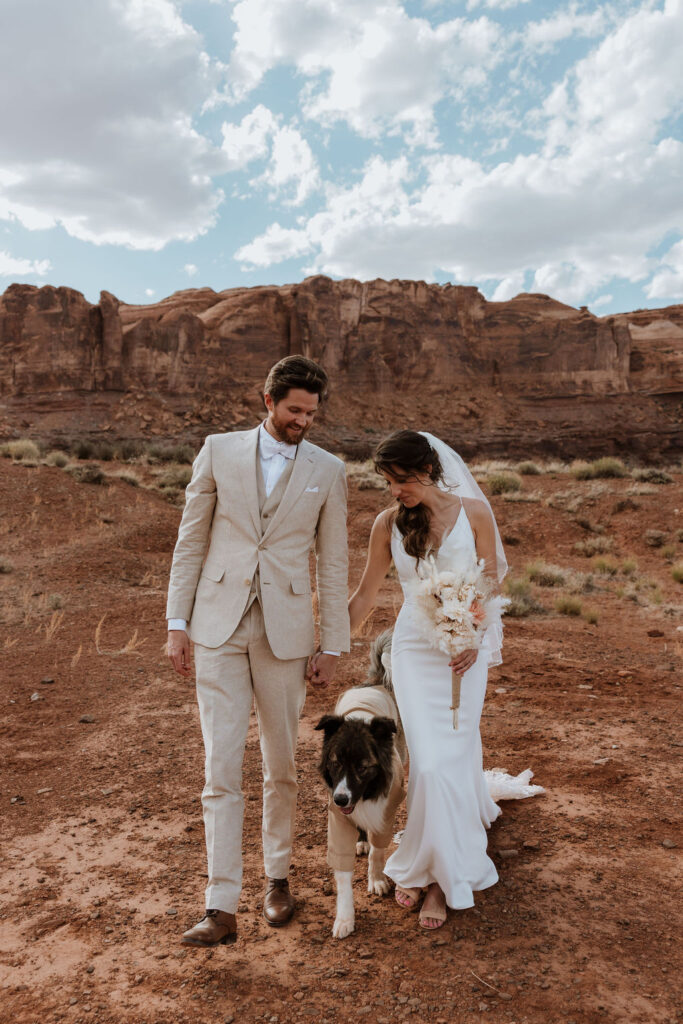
pixel 625 505
pixel 655 538
pixel 568 606
pixel 55 601
pixel 129 450
pixel 90 473
pixel 591 616
pixel 679 536
pixel 555 466
pixel 175 477
pixel 652 475
pixel 183 453
pixel 605 467
pixel 104 450
pixel 21 450
pixel 593 546
pixel 83 448
pixel 531 497
pixel 529 469
pixel 629 567
pixel 56 458
pixel 6 566
pixel 677 572
pixel 127 478
pixel 504 483
pixel 545 575
pixel 669 552
pixel 522 600
pixel 365 476
pixel 605 566
pixel 587 524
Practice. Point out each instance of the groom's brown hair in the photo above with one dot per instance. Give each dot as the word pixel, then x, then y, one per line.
pixel 295 372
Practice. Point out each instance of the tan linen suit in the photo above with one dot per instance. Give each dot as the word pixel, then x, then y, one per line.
pixel 240 577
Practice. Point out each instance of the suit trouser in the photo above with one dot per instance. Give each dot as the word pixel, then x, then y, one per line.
pixel 229 679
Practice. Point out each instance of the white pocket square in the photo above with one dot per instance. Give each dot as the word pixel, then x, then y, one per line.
pixel 311 490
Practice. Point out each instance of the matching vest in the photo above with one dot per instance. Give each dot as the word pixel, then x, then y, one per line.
pixel 268 507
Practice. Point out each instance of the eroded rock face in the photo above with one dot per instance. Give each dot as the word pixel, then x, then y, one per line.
pixel 528 375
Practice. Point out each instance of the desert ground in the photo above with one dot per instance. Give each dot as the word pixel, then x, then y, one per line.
pixel 102 839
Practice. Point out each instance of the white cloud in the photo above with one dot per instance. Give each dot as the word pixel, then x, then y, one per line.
pixel 366 62
pixel 545 34
pixel 99 135
pixel 587 207
pixel 667 283
pixel 501 5
pixel 509 287
pixel 150 292
pixel 12 266
pixel 191 270
pixel 250 139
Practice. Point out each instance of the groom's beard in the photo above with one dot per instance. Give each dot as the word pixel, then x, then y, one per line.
pixel 286 432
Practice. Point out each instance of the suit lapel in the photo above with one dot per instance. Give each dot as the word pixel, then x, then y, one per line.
pixel 303 467
pixel 247 468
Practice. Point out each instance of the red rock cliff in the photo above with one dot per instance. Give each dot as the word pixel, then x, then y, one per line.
pixel 528 375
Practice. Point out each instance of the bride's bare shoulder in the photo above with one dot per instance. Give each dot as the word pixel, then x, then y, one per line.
pixel 385 520
pixel 477 510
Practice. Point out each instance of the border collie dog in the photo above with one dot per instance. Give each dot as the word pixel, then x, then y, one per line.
pixel 362 763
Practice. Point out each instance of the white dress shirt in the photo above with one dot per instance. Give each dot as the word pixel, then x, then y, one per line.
pixel 273 455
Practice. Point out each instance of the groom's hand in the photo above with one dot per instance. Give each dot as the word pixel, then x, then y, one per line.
pixel 178 648
pixel 321 669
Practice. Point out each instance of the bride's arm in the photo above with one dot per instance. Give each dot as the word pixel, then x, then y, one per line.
pixel 484 538
pixel 377 566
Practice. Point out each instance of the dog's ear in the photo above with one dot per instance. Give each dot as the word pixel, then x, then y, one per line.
pixel 330 723
pixel 382 728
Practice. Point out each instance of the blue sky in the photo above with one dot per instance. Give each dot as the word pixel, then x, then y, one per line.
pixel 518 145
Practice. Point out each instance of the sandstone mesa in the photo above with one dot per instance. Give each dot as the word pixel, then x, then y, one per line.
pixel 522 377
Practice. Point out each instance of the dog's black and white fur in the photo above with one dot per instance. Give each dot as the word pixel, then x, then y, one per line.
pixel 362 762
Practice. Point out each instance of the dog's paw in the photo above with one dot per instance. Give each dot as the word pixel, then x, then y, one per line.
pixel 362 849
pixel 379 886
pixel 343 926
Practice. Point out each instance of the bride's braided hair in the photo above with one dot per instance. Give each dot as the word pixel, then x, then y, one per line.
pixel 410 453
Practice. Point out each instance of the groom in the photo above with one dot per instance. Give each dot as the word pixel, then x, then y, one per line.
pixel 259 501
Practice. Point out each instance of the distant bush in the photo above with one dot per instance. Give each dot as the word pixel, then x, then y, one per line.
pixel 55 601
pixel 6 566
pixel 175 477
pixel 568 606
pixel 605 467
pixel 365 476
pixel 545 575
pixel 591 616
pixel 605 566
pixel 522 600
pixel 503 483
pixel 652 475
pixel 677 572
pixel 90 473
pixel 529 469
pixel 129 450
pixel 83 448
pixel 629 567
pixel 593 546
pixel 127 478
pixel 21 450
pixel 56 458
pixel 655 538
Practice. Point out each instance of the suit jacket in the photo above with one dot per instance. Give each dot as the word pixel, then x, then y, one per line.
pixel 221 544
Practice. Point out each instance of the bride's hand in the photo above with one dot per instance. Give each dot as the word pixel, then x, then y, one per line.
pixel 463 661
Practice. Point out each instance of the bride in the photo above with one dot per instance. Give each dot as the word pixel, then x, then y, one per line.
pixel 440 511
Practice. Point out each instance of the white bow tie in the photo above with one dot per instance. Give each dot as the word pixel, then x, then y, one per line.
pixel 270 447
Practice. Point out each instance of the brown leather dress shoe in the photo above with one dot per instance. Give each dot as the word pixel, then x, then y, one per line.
pixel 216 928
pixel 278 903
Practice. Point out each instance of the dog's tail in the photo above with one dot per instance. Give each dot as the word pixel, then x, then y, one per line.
pixel 379 672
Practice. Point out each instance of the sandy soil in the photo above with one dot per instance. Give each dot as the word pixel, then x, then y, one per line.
pixel 102 840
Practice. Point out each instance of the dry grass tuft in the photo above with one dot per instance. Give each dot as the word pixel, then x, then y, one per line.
pixel 677 572
pixel 56 458
pixel 655 538
pixel 545 575
pixel 174 478
pixel 629 567
pixel 522 600
pixel 90 473
pixel 605 566
pixel 532 497
pixel 6 566
pixel 23 449
pixel 568 606
pixel 652 475
pixel 503 483
pixel 529 468
pixel 605 467
pixel 52 627
pixel 77 656
pixel 591 616
pixel 593 546
pixel 365 476
pixel 130 647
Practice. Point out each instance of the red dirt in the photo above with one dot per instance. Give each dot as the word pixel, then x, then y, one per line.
pixel 104 868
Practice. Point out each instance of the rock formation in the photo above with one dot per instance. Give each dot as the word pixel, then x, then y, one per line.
pixel 515 378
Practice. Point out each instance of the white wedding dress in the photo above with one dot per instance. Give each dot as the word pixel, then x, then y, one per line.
pixel 449 803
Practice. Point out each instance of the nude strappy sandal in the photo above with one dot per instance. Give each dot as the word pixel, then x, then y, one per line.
pixel 414 895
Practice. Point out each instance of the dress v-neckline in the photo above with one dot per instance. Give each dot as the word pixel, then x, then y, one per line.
pixel 448 535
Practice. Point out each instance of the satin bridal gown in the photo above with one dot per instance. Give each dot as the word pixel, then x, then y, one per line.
pixel 448 802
